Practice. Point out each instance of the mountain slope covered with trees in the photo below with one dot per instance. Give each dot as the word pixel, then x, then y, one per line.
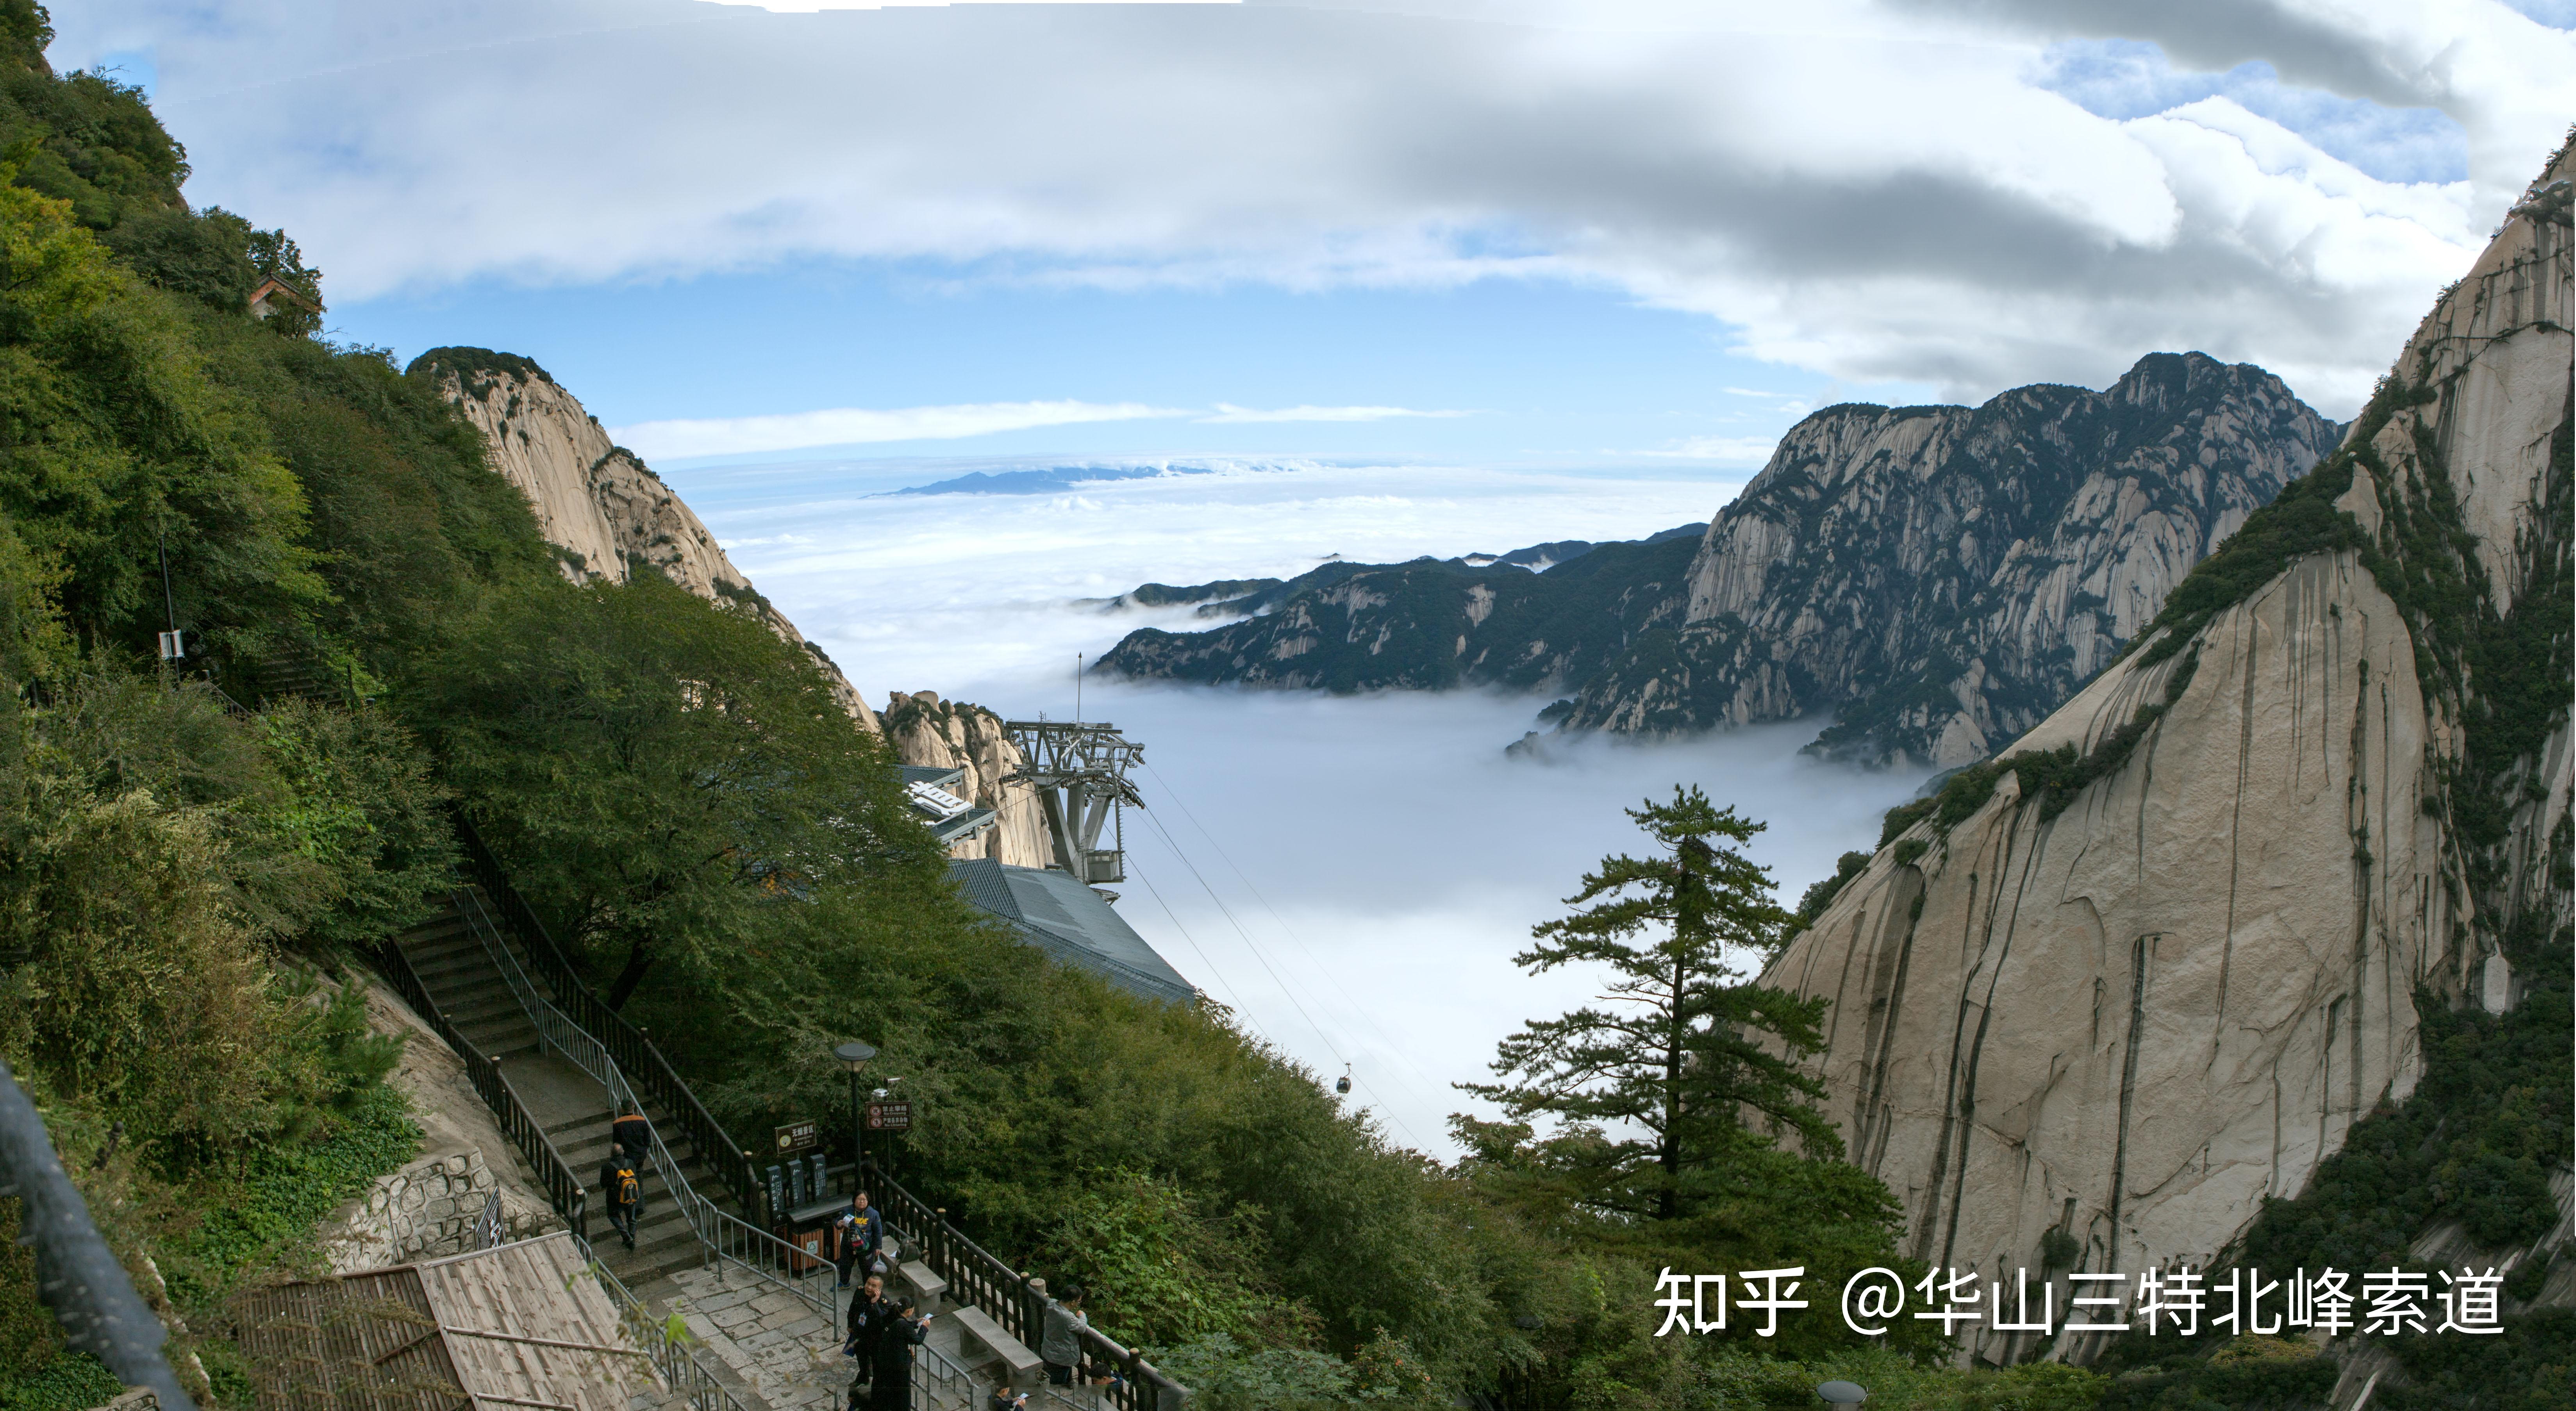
pixel 375 632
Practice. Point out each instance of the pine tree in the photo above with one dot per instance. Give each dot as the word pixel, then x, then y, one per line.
pixel 1691 1050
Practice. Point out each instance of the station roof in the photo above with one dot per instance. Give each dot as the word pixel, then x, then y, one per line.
pixel 1073 923
pixel 513 1326
pixel 948 816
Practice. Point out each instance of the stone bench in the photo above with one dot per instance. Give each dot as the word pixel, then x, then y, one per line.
pixel 976 1329
pixel 924 1287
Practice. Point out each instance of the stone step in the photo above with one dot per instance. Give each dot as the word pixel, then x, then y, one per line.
pixel 471 1006
pixel 468 966
pixel 447 959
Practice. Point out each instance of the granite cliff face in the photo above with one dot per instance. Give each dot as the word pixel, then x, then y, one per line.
pixel 1942 577
pixel 926 730
pixel 2152 966
pixel 1939 578
pixel 604 510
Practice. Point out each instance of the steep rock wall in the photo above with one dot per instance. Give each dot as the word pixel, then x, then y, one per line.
pixel 1942 577
pixel 926 730
pixel 602 508
pixel 2128 998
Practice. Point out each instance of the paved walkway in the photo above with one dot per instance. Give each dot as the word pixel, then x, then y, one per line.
pixel 785 1351
pixel 771 1348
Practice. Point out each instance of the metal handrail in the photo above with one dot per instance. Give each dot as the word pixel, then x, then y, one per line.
pixel 976 1275
pixel 723 1236
pixel 487 1226
pixel 640 1056
pixel 563 1188
pixel 944 1379
pixel 680 1368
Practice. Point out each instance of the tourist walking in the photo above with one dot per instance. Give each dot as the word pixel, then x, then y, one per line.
pixel 623 1189
pixel 636 1135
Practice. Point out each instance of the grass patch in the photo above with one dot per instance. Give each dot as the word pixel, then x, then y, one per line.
pixel 264 1216
pixel 73 1381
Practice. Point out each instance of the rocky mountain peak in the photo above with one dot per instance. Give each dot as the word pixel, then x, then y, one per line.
pixel 1939 577
pixel 605 511
pixel 2121 990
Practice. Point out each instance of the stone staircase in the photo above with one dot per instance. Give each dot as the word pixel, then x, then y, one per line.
pixel 468 986
pixel 465 985
pixel 773 1351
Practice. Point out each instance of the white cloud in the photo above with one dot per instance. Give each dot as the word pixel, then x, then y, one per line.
pixel 1227 413
pixel 850 426
pixel 810 7
pixel 1721 450
pixel 1875 191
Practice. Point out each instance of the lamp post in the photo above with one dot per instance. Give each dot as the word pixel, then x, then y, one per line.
pixel 854 1056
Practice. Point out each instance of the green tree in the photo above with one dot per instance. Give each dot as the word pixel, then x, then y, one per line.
pixel 1691 1046
pixel 298 313
pixel 663 773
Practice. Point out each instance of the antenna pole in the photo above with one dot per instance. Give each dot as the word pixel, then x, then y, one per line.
pixel 1077 687
pixel 169 606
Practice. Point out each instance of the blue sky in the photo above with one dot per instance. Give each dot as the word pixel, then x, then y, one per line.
pixel 1538 370
pixel 1509 231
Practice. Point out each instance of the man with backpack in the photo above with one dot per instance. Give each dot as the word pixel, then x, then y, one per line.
pixel 623 1187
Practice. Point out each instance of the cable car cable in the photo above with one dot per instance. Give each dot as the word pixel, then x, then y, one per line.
pixel 1257 954
pixel 1386 1040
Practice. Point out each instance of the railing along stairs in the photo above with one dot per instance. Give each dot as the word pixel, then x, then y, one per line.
pixel 978 1276
pixel 600 1041
pixel 725 1238
pixel 681 1369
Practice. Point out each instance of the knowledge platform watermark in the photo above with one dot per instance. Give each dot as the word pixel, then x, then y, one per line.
pixel 2178 1301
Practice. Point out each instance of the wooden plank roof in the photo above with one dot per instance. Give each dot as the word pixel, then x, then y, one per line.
pixel 519 1326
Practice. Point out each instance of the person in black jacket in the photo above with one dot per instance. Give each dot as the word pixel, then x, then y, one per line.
pixel 869 1313
pixel 900 1334
pixel 621 1187
pixel 636 1135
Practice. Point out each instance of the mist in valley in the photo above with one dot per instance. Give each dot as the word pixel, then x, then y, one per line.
pixel 1350 875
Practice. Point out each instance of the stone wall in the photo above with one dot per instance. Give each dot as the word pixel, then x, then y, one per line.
pixel 428 1209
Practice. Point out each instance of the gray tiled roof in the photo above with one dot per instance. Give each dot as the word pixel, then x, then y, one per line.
pixel 1073 923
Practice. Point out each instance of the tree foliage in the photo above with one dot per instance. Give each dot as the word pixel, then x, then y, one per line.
pixel 1688 1050
pixel 662 771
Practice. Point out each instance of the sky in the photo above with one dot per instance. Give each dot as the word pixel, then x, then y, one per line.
pixel 1535 231
pixel 1398 276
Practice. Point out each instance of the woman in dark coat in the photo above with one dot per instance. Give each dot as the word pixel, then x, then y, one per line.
pixel 895 1341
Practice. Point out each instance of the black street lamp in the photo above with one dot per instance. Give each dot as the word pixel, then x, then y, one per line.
pixel 854 1056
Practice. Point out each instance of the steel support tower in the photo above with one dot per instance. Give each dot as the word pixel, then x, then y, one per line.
pixel 1079 773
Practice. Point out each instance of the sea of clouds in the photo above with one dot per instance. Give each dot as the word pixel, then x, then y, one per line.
pixel 1351 875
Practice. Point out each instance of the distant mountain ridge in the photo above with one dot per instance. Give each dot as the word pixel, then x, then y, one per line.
pixel 1938 578
pixel 1050 479
pixel 1480 619
pixel 1244 597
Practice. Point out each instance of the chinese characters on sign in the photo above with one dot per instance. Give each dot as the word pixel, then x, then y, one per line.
pixel 2180 1301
